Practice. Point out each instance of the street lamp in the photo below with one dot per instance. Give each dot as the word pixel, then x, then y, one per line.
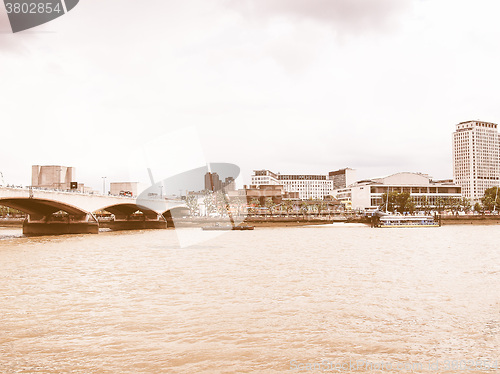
pixel 104 185
pixel 59 179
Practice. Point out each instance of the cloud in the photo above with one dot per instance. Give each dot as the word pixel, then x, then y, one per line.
pixel 4 23
pixel 9 42
pixel 345 16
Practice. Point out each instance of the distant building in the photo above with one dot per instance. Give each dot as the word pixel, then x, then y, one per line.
pixel 476 158
pixel 123 188
pixel 308 186
pixel 214 183
pixel 367 194
pixel 56 177
pixel 263 192
pixel 343 177
pixel 52 176
pixel 264 177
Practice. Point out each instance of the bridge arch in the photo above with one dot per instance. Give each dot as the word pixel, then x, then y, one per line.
pixel 42 220
pixel 176 212
pixel 172 214
pixel 127 209
pixel 124 218
pixel 39 208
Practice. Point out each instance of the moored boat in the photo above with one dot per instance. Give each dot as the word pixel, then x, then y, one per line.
pixel 227 227
pixel 405 221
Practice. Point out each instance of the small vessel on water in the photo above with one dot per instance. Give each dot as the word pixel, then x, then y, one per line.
pixel 405 221
pixel 227 227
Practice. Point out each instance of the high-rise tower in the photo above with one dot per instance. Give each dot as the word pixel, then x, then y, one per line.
pixel 476 157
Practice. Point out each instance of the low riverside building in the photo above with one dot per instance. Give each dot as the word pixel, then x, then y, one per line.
pixel 308 186
pixel 367 194
pixel 263 192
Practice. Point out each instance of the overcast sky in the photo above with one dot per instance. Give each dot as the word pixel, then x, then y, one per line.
pixel 294 86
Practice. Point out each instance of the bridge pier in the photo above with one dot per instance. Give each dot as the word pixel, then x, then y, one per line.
pixel 137 223
pixel 51 225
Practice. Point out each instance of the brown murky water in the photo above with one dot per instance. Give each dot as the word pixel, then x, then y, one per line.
pixel 266 301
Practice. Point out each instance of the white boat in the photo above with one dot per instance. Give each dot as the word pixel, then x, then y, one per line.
pixel 405 221
pixel 226 227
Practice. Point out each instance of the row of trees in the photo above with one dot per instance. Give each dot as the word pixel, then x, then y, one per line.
pixel 403 202
pixel 219 203
pixel 400 202
pixel 9 212
pixel 215 202
pixel 288 206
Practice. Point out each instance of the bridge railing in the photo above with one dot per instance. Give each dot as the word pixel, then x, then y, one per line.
pixel 90 193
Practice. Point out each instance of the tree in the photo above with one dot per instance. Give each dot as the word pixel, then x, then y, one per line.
pixel 222 203
pixel 488 202
pixel 239 203
pixel 440 204
pixel 389 202
pixel 465 204
pixel 269 204
pixel 404 202
pixel 425 205
pixel 491 198
pixel 209 202
pixel 10 212
pixel 192 204
pixel 478 208
pixel 453 203
pixel 288 205
pixel 304 207
pixel 255 204
pixel 321 206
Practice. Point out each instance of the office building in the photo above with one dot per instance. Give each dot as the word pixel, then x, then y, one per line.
pixel 308 186
pixel 343 177
pixel 476 158
pixel 214 183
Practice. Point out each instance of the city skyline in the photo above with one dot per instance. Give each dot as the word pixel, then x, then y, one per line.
pixel 377 86
pixel 249 179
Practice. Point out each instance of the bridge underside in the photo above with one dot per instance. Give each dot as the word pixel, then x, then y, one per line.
pixel 41 208
pixel 134 217
pixel 48 217
pixel 175 213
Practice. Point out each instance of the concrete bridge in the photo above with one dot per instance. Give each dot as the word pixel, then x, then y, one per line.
pixel 62 212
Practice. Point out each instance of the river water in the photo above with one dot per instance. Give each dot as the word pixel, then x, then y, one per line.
pixel 271 300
